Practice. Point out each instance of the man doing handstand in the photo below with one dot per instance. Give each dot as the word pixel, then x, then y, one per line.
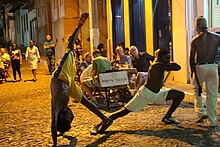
pixel 152 92
pixel 63 84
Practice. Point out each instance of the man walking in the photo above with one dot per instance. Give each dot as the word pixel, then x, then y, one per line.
pixel 205 69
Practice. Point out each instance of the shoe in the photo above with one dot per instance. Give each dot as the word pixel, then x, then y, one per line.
pixel 94 129
pixel 105 125
pixel 170 121
pixel 203 117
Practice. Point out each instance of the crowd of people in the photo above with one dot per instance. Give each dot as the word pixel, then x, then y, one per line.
pixel 13 57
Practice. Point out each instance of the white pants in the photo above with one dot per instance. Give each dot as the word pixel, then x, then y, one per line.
pixel 207 73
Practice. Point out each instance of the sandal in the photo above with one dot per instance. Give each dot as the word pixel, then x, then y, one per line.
pixel 170 121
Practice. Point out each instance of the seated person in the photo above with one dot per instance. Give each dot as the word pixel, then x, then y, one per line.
pixel 5 57
pixel 151 92
pixel 100 64
pixel 87 61
pixel 122 58
pixel 2 66
pixel 102 49
pixel 86 73
pixel 126 51
pixel 141 61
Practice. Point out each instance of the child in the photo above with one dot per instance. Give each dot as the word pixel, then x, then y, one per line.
pixel 152 92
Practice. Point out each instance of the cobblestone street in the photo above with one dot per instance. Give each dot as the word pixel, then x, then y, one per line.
pixel 25 121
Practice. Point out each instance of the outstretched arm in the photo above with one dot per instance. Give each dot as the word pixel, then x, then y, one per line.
pixel 73 37
pixel 170 66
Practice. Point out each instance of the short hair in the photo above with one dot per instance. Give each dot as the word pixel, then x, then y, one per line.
pixel 133 47
pixel 126 49
pixel 201 22
pixel 96 52
pixel 100 46
pixel 31 41
pixel 159 53
pixel 86 55
pixel 118 48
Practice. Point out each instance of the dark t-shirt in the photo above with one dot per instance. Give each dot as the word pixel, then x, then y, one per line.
pixel 50 51
pixel 142 64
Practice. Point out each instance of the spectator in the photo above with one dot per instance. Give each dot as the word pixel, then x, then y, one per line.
pixel 99 65
pixel 49 46
pixel 87 61
pixel 126 51
pixel 123 59
pixel 16 61
pixel 102 50
pixel 203 66
pixel 141 62
pixel 33 57
pixel 5 58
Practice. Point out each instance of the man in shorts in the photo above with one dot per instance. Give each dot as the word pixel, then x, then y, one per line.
pixel 100 64
pixel 152 92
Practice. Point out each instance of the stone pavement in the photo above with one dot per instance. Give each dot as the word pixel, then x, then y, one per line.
pixel 25 121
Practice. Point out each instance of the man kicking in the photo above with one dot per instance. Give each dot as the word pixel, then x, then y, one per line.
pixel 63 84
pixel 152 92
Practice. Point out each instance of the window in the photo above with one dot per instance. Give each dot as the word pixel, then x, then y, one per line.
pixel 54 4
pixel 26 22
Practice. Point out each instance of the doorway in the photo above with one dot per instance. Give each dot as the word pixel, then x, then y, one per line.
pixel 137 24
pixel 162 24
pixel 117 22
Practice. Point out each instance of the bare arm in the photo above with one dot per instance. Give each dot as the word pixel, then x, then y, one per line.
pixel 20 56
pixel 93 73
pixel 169 66
pixel 192 58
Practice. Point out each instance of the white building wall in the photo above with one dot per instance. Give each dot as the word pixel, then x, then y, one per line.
pixel 54 10
pixel 31 17
pixel 180 39
pixel 58 13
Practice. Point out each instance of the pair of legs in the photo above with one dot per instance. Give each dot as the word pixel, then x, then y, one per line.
pixel 174 95
pixel 60 99
pixel 51 63
pixel 16 68
pixel 209 74
pixel 141 78
pixel 88 85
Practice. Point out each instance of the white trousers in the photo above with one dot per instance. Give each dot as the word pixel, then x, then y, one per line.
pixel 207 73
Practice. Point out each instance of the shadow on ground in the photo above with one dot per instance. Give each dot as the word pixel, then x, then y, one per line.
pixel 194 136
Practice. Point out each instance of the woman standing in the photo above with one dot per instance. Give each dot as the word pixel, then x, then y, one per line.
pixel 16 61
pixel 33 56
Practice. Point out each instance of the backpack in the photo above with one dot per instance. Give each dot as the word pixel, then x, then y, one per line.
pixel 65 118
